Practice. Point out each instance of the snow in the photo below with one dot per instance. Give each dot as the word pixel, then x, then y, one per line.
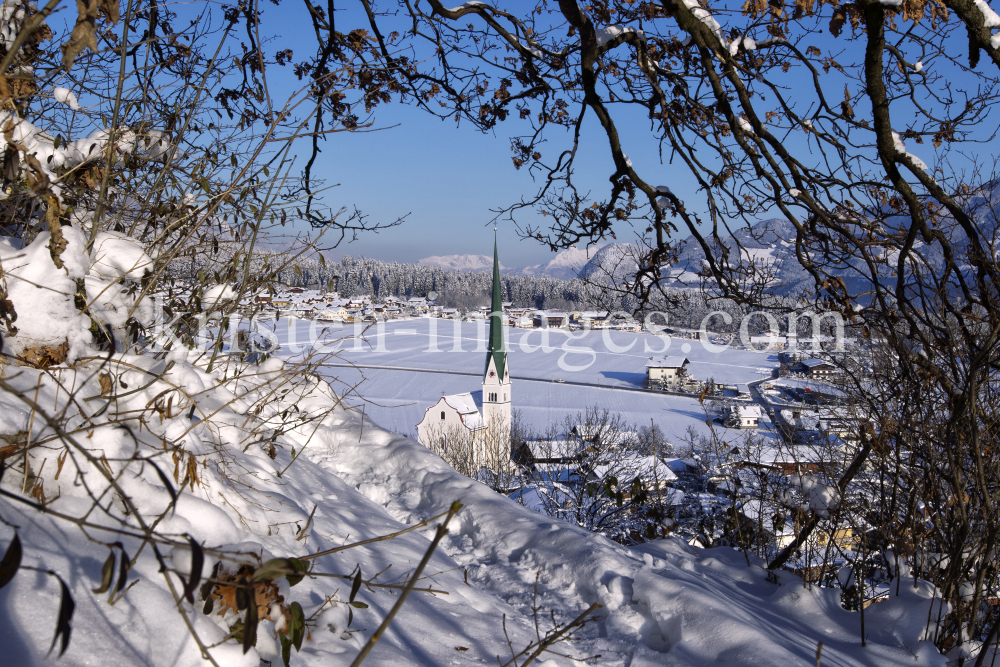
pixel 566 265
pixel 117 256
pixel 897 141
pixel 465 405
pixel 43 295
pixel 464 5
pixel 820 498
pixel 217 294
pixel 919 66
pixel 747 43
pixel 605 35
pixel 795 192
pixel 664 602
pixel 72 154
pixel 66 97
pixel 744 124
pixel 990 17
pixel 990 20
pixel 706 17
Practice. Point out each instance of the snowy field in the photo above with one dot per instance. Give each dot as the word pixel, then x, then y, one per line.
pixel 396 399
pixel 604 357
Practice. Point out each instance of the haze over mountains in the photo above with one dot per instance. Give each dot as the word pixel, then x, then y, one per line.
pixel 566 265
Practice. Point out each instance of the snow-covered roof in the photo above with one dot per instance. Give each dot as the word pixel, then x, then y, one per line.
pixel 813 363
pixel 646 466
pixel 466 407
pixel 667 362
pixel 680 465
pixel 559 448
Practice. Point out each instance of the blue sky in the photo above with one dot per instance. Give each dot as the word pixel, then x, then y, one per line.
pixel 447 178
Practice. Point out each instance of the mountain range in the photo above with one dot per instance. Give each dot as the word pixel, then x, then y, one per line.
pixel 566 265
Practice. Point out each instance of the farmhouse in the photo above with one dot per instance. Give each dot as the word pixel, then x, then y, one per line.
pixel 819 368
pixel 666 370
pixel 550 319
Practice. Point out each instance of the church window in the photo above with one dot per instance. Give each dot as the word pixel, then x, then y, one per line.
pixel 442 414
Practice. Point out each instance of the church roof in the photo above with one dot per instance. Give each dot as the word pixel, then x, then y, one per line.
pixel 465 405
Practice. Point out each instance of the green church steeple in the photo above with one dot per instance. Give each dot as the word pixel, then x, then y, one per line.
pixel 496 350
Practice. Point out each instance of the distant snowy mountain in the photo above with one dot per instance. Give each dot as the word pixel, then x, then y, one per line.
pixel 459 262
pixel 566 265
pixel 616 261
pixel 767 246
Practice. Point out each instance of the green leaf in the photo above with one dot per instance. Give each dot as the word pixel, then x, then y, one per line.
pixel 358 605
pixel 298 625
pixel 11 561
pixel 208 587
pixel 246 599
pixel 275 568
pixel 236 630
pixel 107 571
pixel 286 648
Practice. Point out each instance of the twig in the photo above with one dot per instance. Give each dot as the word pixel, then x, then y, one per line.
pixel 380 538
pixel 442 530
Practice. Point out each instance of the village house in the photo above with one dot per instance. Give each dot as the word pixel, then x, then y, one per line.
pixel 550 319
pixel 744 416
pixel 665 371
pixel 589 319
pixel 418 303
pixel 819 368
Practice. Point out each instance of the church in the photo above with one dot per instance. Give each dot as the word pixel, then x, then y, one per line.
pixel 458 416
